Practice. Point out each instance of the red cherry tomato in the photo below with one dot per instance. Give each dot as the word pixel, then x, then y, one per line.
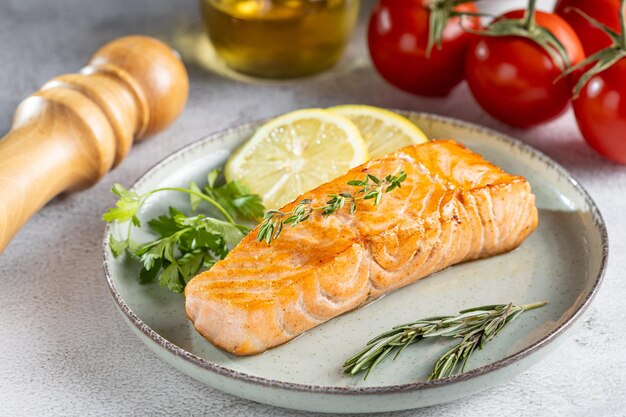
pixel 513 78
pixel 601 112
pixel 605 11
pixel 398 39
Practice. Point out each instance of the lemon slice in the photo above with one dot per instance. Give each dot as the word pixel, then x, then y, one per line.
pixel 296 152
pixel 383 131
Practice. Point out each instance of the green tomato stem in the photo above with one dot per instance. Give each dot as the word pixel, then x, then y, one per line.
pixel 529 16
pixel 622 21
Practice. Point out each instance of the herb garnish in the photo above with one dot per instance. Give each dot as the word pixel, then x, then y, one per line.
pixel 371 188
pixel 185 244
pixel 475 326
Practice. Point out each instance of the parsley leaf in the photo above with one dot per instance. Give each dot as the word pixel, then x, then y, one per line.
pixel 190 263
pixel 165 225
pixel 126 207
pixel 235 197
pixel 194 200
pixel 187 244
pixel 153 251
pixel 148 275
pixel 169 278
pixel 118 247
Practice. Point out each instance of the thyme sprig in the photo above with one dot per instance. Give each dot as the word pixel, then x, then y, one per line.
pixel 475 326
pixel 370 188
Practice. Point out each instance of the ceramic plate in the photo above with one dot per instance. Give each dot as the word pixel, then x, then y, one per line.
pixel 562 262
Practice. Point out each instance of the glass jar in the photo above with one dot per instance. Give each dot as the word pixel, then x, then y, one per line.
pixel 279 38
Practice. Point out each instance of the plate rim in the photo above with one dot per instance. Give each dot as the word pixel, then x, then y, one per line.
pixel 225 371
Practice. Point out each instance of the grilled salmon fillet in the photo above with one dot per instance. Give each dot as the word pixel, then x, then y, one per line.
pixel 454 206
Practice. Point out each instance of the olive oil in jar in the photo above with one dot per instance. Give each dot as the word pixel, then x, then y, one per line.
pixel 279 38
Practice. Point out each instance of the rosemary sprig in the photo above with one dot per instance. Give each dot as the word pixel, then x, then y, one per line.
pixel 475 326
pixel 370 188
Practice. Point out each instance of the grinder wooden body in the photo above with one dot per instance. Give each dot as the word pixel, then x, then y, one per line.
pixel 79 126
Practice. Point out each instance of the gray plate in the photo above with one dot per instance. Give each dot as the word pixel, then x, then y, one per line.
pixel 563 262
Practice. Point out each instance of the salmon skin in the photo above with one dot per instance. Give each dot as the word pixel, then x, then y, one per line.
pixel 454 206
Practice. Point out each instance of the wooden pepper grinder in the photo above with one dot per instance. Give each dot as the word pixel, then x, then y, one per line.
pixel 77 127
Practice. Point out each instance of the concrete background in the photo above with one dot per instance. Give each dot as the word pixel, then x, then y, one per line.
pixel 64 349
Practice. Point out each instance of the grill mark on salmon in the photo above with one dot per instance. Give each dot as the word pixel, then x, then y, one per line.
pixel 453 207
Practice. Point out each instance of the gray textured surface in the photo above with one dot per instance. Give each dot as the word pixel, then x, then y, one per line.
pixel 64 348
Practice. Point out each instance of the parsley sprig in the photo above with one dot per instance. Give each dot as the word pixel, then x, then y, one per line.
pixel 370 188
pixel 185 244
